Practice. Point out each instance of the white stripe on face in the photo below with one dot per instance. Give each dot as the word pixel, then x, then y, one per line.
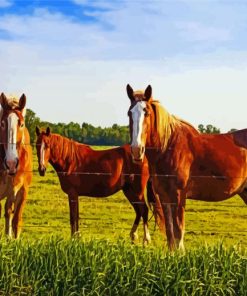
pixel 138 114
pixel 42 154
pixel 11 153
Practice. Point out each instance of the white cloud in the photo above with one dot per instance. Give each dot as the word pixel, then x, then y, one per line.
pixel 105 4
pixel 77 71
pixel 5 3
pixel 198 32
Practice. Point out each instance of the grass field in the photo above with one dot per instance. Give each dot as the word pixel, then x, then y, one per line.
pixel 105 225
pixel 47 213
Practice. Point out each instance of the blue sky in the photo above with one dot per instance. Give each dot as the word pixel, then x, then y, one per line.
pixel 73 58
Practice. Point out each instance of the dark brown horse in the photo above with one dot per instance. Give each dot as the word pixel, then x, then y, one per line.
pixel 15 161
pixel 183 162
pixel 84 171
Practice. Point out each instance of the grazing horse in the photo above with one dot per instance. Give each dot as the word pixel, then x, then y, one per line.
pixel 15 161
pixel 183 162
pixel 84 171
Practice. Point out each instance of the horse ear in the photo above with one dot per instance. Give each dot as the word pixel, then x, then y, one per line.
pixel 48 131
pixel 22 102
pixel 148 93
pixel 37 131
pixel 3 100
pixel 130 92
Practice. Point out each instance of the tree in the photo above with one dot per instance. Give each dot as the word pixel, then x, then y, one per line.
pixel 209 129
pixel 31 121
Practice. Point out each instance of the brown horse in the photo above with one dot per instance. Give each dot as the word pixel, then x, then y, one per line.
pixel 84 171
pixel 183 162
pixel 15 161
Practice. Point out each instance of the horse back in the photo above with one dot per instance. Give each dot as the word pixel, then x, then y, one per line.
pixel 240 138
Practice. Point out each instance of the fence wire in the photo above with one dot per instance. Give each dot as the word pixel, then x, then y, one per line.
pixel 132 174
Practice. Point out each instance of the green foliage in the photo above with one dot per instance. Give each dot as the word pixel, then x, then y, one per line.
pixel 209 129
pixel 86 133
pixel 31 121
pixel 59 267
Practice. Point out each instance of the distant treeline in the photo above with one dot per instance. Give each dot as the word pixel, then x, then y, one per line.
pixel 86 133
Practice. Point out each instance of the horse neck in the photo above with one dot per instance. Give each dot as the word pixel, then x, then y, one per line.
pixel 64 153
pixel 166 127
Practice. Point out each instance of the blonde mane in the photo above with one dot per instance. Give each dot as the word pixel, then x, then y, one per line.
pixel 165 124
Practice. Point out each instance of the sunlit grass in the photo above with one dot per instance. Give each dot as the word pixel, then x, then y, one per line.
pixel 98 267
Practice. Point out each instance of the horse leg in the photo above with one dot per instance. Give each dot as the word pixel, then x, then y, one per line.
pixel 147 237
pixel 168 215
pixel 179 225
pixel 135 204
pixel 18 211
pixel 166 220
pixel 243 195
pixel 74 213
pixel 8 216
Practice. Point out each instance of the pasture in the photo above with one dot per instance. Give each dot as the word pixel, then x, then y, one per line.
pixel 46 262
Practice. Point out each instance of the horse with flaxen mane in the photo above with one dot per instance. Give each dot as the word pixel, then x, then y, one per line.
pixel 83 171
pixel 184 163
pixel 15 161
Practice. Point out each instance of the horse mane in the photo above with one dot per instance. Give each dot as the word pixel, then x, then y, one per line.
pixel 70 151
pixel 165 124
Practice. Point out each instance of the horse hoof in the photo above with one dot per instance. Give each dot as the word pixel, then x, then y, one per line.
pixel 134 238
pixel 146 242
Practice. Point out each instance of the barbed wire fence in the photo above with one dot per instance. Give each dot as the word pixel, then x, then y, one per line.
pixel 122 204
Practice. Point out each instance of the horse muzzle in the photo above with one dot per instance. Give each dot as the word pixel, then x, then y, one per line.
pixel 137 153
pixel 42 170
pixel 11 166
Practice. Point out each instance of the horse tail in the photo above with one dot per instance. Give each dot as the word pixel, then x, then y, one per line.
pixel 156 207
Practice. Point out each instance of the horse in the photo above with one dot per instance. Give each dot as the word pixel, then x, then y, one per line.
pixel 15 161
pixel 83 171
pixel 183 162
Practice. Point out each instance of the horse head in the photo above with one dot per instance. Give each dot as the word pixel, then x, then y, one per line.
pixel 12 126
pixel 140 120
pixel 43 149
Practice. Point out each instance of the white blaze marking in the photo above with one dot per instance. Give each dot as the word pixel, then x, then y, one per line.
pixel 42 154
pixel 138 114
pixel 11 153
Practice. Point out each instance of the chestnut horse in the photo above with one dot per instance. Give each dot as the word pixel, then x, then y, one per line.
pixel 183 162
pixel 84 171
pixel 15 161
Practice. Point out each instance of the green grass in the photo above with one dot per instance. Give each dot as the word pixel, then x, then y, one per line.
pixel 98 267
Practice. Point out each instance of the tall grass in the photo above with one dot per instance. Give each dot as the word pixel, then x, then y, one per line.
pixel 74 267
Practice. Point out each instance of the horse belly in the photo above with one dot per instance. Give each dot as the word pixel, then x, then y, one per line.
pixel 212 189
pixel 98 186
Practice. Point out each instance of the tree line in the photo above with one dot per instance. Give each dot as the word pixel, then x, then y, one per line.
pixel 116 135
